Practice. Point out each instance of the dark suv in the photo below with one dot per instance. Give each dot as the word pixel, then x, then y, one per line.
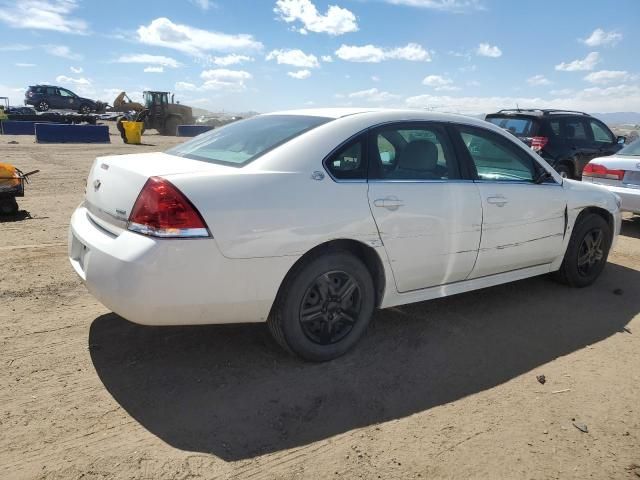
pixel 567 140
pixel 44 97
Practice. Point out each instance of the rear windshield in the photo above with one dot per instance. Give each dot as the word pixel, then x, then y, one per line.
pixel 519 126
pixel 241 142
pixel 631 149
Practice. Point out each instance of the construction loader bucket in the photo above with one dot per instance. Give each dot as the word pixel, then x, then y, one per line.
pixel 133 131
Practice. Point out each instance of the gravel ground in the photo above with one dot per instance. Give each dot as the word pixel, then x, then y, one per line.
pixel 443 389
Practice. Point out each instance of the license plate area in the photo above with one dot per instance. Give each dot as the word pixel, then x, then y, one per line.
pixel 79 252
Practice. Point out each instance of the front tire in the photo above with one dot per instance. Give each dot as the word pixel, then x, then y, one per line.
pixel 85 109
pixel 324 307
pixel 587 252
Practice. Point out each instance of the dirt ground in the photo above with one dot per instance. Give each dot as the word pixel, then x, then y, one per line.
pixel 443 389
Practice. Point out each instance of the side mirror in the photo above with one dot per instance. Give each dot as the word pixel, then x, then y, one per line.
pixel 621 140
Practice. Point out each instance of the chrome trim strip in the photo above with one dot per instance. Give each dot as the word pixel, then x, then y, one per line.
pixel 455 180
pixel 105 216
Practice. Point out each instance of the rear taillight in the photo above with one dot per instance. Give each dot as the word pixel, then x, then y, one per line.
pixel 600 171
pixel 29 94
pixel 162 210
pixel 538 143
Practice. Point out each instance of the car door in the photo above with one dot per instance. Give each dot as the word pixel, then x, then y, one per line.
pixel 523 221
pixel 68 100
pixel 429 219
pixel 604 141
pixel 577 135
pixel 54 98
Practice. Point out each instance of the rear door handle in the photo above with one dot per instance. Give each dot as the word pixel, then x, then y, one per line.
pixel 497 200
pixel 390 203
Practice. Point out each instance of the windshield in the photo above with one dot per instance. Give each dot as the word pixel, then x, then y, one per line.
pixel 241 142
pixel 631 149
pixel 521 127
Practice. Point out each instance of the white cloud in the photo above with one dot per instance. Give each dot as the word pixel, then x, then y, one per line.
pixel 203 4
pixel 63 79
pixel 439 83
pixel 294 57
pixel 375 78
pixel 538 80
pixel 163 32
pixel 562 92
pixel 15 48
pixel 300 74
pixel 454 6
pixel 76 69
pixel 185 86
pixel 232 59
pixel 25 65
pixel 594 99
pixel 336 21
pixel 43 15
pixel 150 69
pixel 326 58
pixel 62 51
pixel 373 95
pixel 224 79
pixel 587 63
pixel 373 54
pixel 601 38
pixel 607 76
pixel 149 60
pixel 486 50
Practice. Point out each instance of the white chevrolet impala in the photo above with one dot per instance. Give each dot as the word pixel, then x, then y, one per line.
pixel 309 220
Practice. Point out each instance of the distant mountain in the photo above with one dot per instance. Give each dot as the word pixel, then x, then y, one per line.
pixel 618 118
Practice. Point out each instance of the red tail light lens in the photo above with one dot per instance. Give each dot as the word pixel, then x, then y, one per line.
pixel 162 210
pixel 600 171
pixel 538 143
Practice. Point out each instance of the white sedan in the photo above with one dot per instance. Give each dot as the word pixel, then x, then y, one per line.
pixel 309 220
pixel 620 174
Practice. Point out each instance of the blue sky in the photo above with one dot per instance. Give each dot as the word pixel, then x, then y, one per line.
pixel 468 56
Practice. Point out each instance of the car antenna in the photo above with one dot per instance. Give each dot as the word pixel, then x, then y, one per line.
pixel 518 107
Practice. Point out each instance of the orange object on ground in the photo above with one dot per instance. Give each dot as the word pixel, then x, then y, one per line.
pixel 9 177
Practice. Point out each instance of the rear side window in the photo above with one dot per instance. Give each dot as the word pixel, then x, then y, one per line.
pixel 348 162
pixel 412 152
pixel 239 143
pixel 521 127
pixel 495 158
pixel 575 129
pixel 51 91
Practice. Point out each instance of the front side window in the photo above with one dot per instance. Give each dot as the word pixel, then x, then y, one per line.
pixel 600 133
pixel 412 152
pixel 239 143
pixel 495 158
pixel 66 93
pixel 575 129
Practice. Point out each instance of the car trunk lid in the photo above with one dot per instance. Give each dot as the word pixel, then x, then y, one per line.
pixel 114 183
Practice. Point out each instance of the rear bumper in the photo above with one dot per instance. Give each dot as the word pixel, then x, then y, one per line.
pixel 172 282
pixel 629 196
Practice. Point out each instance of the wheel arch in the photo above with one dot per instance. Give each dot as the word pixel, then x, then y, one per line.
pixel 366 254
pixel 605 214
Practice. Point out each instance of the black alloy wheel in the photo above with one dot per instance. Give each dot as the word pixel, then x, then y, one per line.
pixel 330 307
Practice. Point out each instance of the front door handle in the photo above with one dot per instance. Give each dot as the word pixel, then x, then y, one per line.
pixel 497 200
pixel 390 203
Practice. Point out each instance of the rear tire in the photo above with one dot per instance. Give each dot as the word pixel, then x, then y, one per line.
pixel 42 106
pixel 564 170
pixel 324 307
pixel 587 252
pixel 171 126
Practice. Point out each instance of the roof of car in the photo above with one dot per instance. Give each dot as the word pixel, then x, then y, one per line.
pixel 381 113
pixel 538 112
